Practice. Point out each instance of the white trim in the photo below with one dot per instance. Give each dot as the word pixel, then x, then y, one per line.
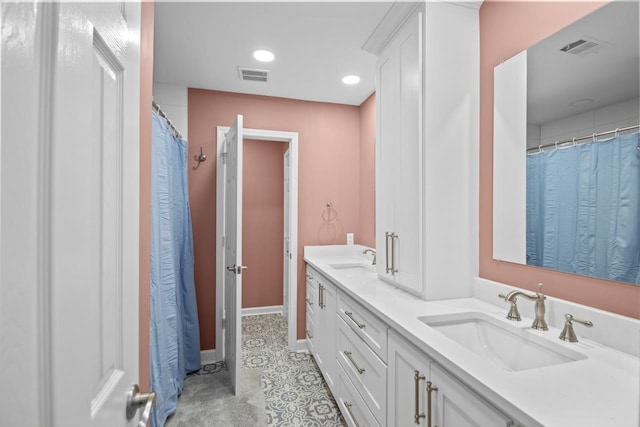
pixel 388 26
pixel 261 135
pixel 207 357
pixel 302 346
pixel 220 177
pixel 256 311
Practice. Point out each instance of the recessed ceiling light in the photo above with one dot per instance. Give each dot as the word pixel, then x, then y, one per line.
pixel 263 55
pixel 351 80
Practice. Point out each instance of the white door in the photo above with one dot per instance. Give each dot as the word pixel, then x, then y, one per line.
pixel 287 238
pixel 81 198
pixel 233 251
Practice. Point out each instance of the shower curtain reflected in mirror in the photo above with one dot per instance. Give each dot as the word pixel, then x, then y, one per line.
pixel 583 207
pixel 174 335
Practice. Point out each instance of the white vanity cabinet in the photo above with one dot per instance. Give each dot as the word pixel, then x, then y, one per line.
pixel 325 329
pixel 361 353
pixel 421 393
pixel 399 151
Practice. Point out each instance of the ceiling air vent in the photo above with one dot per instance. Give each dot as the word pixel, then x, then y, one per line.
pixel 253 74
pixel 582 47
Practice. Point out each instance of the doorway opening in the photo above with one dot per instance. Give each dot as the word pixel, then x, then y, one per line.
pixel 290 232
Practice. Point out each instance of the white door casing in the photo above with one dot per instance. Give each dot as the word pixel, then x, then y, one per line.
pixel 233 251
pixel 260 135
pixel 70 166
pixel 287 253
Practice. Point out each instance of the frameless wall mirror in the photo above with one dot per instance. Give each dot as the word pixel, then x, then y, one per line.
pixel 567 149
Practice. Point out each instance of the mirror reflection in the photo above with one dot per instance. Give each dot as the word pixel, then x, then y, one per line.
pixel 583 162
pixel 583 147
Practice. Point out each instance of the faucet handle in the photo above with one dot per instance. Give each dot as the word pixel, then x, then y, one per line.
pixel 540 288
pixel 513 314
pixel 568 333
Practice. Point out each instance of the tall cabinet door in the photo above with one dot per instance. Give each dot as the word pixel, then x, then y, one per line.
pixel 454 405
pixel 408 371
pixel 399 158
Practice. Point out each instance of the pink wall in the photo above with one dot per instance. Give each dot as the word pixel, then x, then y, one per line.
pixel 328 172
pixel 367 235
pixel 146 83
pixel 506 28
pixel 262 223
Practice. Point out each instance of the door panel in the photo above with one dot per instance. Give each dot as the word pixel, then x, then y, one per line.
pixel 233 250
pixel 94 214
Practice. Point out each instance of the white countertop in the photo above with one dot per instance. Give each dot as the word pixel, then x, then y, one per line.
pixel 601 390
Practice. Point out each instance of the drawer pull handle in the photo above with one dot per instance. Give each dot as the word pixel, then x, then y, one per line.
pixel 416 378
pixel 430 388
pixel 359 369
pixel 348 406
pixel 309 301
pixel 308 334
pixel 350 316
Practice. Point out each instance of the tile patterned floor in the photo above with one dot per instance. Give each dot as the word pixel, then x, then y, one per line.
pixel 295 392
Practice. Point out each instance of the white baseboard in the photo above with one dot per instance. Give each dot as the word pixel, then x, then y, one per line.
pixel 254 311
pixel 302 347
pixel 208 357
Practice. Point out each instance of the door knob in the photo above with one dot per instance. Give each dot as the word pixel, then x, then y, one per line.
pixel 135 400
pixel 237 269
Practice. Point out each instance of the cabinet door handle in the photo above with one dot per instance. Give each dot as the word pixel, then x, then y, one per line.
pixel 359 369
pixel 394 239
pixel 387 235
pixel 321 296
pixel 416 378
pixel 309 301
pixel 308 334
pixel 430 388
pixel 350 316
pixel 348 406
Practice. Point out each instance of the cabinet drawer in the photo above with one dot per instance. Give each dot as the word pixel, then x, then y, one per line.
pixel 310 332
pixel 354 410
pixel 311 299
pixel 311 274
pixel 367 326
pixel 364 368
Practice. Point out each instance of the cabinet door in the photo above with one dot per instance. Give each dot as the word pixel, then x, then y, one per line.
pixel 326 331
pixel 399 158
pixel 408 371
pixel 454 405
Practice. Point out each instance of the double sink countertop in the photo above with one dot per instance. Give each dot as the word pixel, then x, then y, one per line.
pixel 598 385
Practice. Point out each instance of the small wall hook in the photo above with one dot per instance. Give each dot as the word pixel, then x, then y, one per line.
pixel 202 157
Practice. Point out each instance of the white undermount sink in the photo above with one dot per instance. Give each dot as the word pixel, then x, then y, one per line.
pixel 354 269
pixel 512 348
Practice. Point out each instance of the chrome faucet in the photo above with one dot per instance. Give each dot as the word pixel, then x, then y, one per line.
pixel 539 322
pixel 372 252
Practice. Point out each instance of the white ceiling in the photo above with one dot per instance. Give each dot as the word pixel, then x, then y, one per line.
pixel 607 76
pixel 201 45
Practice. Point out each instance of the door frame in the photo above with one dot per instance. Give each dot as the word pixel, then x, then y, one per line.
pixel 260 135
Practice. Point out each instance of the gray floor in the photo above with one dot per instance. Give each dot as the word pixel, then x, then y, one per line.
pixel 279 388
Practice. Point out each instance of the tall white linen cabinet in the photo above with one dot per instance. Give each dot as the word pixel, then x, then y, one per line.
pixel 427 94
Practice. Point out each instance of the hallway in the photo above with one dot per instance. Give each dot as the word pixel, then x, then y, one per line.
pixel 278 388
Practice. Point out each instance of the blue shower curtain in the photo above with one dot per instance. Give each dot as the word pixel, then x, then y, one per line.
pixel 583 209
pixel 174 335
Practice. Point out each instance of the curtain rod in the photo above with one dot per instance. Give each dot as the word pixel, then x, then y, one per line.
pixel 559 144
pixel 157 108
